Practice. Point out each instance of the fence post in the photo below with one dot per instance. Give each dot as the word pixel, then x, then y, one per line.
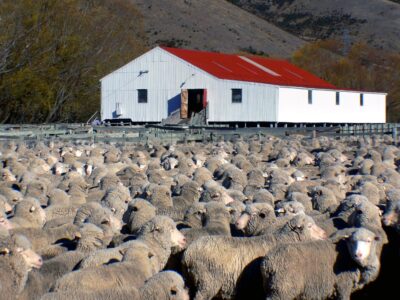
pixel 394 134
pixel 314 134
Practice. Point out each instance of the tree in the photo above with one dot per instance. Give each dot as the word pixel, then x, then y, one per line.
pixel 363 68
pixel 53 54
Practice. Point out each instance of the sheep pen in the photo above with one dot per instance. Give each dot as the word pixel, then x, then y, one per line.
pixel 257 217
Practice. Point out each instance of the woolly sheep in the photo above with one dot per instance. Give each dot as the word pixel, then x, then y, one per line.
pixel 321 269
pixel 214 264
pixel 138 264
pixel 28 214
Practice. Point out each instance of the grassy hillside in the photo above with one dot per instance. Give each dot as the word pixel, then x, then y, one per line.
pixel 376 22
pixel 215 25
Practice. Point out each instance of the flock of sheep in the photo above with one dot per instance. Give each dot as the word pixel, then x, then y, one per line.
pixel 290 218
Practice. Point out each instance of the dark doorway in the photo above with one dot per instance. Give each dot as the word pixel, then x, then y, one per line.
pixel 195 101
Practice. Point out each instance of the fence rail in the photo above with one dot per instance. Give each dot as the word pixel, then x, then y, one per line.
pixel 172 134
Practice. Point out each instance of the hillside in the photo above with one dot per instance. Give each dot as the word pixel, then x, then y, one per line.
pixel 212 25
pixel 376 22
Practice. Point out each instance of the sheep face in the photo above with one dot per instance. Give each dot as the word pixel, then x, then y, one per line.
pixel 305 227
pixel 31 210
pixel 289 208
pixel 391 216
pixel 88 169
pixel 255 216
pixel 178 239
pixel 194 215
pixel 5 223
pixel 163 230
pixel 7 176
pixel 361 245
pixel 31 258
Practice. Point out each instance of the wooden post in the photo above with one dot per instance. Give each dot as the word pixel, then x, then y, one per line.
pixel 184 104
pixel 394 134
pixel 314 134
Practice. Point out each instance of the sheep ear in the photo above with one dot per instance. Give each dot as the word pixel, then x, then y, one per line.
pixel 341 235
pixel 4 251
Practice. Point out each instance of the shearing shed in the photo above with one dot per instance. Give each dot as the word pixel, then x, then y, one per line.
pixel 229 89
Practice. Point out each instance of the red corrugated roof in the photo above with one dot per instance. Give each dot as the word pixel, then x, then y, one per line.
pixel 250 68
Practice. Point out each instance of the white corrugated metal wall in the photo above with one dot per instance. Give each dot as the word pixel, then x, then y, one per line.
pixel 258 102
pixel 166 76
pixel 294 108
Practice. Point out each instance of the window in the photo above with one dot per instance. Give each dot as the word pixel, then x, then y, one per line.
pixel 142 96
pixel 337 98
pixel 236 95
pixel 310 94
pixel 361 99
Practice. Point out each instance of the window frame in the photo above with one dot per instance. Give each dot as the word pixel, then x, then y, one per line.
pixel 233 96
pixel 140 97
pixel 337 98
pixel 310 97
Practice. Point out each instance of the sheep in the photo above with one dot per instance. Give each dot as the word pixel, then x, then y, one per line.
pixel 232 177
pixel 324 200
pixel 5 226
pixel 167 285
pixel 138 264
pixel 391 217
pixel 7 176
pixel 300 197
pixel 215 192
pixel 190 193
pixel 12 196
pixel 159 196
pixel 161 235
pixel 103 256
pixel 263 196
pixel 101 216
pixel 194 215
pixel 90 239
pixel 15 263
pixel 116 200
pixel 43 239
pixel 216 264
pixel 257 219
pixel 216 222
pixel 140 211
pixel 235 208
pixel 5 207
pixel 321 269
pixel 28 214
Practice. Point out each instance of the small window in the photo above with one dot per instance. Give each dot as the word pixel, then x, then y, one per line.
pixel 361 99
pixel 236 95
pixel 142 96
pixel 337 98
pixel 310 96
